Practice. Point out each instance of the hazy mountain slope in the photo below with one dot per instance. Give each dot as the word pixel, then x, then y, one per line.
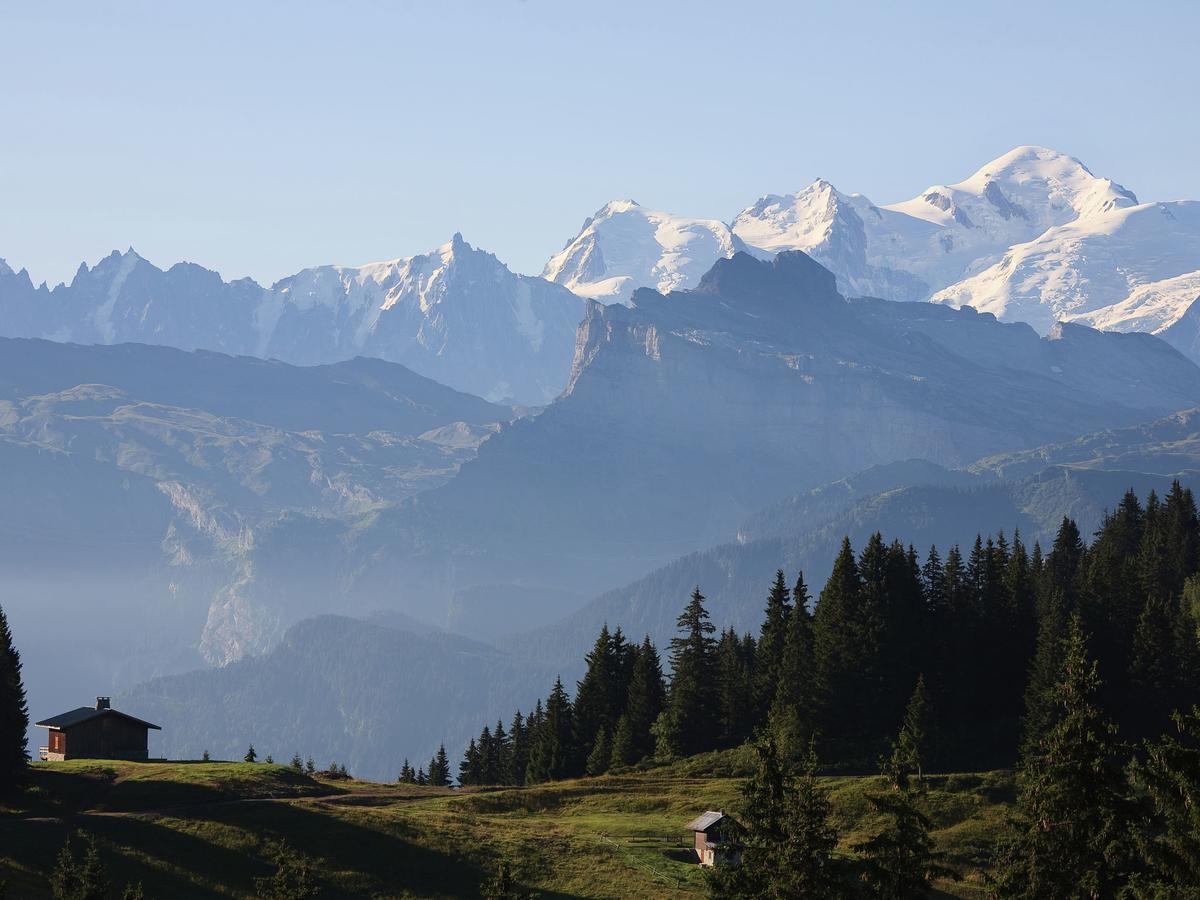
pixel 688 412
pixel 456 314
pixel 145 489
pixel 912 500
pixel 341 689
pixel 625 246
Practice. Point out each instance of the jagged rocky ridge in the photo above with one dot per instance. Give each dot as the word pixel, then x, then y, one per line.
pixel 456 314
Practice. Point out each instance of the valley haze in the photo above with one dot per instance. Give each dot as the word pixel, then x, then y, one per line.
pixel 434 470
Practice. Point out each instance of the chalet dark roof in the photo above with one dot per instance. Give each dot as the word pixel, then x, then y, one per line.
pixel 83 714
pixel 705 822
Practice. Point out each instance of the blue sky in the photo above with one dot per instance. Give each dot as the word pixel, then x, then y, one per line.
pixel 259 138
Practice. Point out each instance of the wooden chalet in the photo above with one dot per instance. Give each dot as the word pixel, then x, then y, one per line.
pixel 713 843
pixel 99 732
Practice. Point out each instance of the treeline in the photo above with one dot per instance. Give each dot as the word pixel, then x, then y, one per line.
pixel 982 630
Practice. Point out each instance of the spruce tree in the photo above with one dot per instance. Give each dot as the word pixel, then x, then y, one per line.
pixel 769 655
pixel 783 825
pixel 553 754
pixel 688 725
pixel 847 629
pixel 518 755
pixel 251 755
pixel 1168 836
pixel 912 746
pixel 600 758
pixel 623 753
pixel 439 768
pixel 80 880
pixel 735 697
pixel 594 706
pixel 792 717
pixel 14 716
pixel 900 860
pixel 1070 827
pixel 470 770
pixel 645 700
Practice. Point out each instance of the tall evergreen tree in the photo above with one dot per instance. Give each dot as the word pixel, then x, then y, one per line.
pixel 1070 826
pixel 688 724
pixel 769 654
pixel 439 768
pixel 596 705
pixel 470 770
pixel 735 695
pixel 787 838
pixel 792 718
pixel 900 860
pixel 911 750
pixel 1168 836
pixel 14 715
pixel 553 753
pixel 518 753
pixel 847 629
pixel 644 703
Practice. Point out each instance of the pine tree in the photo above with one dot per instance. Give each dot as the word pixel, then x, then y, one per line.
pixel 518 755
pixel 783 825
pixel 75 880
pixel 644 703
pixel 407 775
pixel 623 753
pixel 250 756
pixel 310 767
pixel 498 755
pixel 553 754
pixel 846 634
pixel 596 705
pixel 900 860
pixel 912 746
pixel 791 719
pixel 1168 836
pixel 14 716
pixel 298 764
pixel 600 757
pixel 735 697
pixel 422 778
pixel 1041 707
pixel 439 768
pixel 688 723
pixel 769 655
pixel 1070 824
pixel 470 770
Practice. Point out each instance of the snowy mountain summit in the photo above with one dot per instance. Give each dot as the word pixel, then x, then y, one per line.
pixel 912 249
pixel 625 246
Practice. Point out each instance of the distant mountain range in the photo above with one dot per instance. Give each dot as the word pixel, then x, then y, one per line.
pixel 455 314
pixel 1031 236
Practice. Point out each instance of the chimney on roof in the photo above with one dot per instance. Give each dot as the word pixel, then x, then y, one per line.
pixel 103 703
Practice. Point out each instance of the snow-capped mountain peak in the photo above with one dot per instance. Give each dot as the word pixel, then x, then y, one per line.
pixel 1027 188
pixel 625 246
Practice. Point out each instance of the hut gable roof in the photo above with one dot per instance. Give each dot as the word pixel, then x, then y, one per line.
pixel 84 713
pixel 705 822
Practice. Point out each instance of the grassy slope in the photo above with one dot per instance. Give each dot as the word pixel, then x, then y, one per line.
pixel 199 829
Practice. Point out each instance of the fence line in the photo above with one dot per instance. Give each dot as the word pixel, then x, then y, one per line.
pixel 673 880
